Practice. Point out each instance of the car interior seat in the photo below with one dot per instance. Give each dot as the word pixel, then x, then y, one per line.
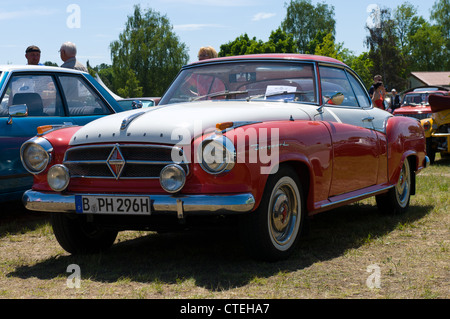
pixel 33 102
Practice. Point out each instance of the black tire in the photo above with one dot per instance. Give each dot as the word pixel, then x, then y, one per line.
pixel 272 231
pixel 77 236
pixel 431 152
pixel 396 201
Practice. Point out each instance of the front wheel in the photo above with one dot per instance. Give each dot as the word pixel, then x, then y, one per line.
pixel 272 231
pixel 396 201
pixel 77 236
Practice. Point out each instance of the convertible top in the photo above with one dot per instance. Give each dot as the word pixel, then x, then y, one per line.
pixel 439 102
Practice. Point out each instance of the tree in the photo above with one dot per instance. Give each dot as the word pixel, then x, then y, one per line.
pixel 384 51
pixel 441 14
pixel 241 45
pixel 406 25
pixel 328 47
pixel 147 55
pixel 363 66
pixel 305 20
pixel 430 51
pixel 50 63
pixel 279 42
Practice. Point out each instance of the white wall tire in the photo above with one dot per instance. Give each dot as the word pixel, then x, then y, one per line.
pixel 272 231
pixel 396 200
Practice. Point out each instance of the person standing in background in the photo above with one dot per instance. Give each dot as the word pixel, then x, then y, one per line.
pixel 376 79
pixel 33 55
pixel 68 52
pixel 207 53
pixel 395 100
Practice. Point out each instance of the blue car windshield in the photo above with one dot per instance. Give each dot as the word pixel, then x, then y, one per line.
pixel 268 81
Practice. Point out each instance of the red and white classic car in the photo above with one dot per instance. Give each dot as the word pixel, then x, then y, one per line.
pixel 271 139
pixel 415 102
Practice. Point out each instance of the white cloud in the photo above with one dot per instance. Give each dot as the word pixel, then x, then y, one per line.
pixel 263 16
pixel 26 13
pixel 195 27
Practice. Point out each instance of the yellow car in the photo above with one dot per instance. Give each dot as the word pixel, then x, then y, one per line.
pixel 437 128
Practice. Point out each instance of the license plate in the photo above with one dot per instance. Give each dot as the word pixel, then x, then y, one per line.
pixel 101 204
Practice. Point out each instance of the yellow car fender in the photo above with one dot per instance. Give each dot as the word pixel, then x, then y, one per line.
pixel 427 125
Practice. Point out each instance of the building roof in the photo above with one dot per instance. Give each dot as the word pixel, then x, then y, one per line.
pixel 433 78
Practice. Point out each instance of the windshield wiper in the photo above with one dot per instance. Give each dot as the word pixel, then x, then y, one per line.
pixel 285 92
pixel 216 94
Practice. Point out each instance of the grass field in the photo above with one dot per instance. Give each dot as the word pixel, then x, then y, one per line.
pixel 353 252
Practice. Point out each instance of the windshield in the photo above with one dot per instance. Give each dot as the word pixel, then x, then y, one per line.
pixel 269 81
pixel 417 98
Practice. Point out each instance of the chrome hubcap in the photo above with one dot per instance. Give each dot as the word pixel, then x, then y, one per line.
pixel 403 186
pixel 284 216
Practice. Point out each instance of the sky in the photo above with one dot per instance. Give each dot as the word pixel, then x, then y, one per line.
pixel 93 25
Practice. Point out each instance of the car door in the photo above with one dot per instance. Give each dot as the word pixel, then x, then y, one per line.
pixel 356 149
pixel 50 99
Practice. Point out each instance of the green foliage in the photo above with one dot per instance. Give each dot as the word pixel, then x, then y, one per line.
pixel 441 14
pixel 385 52
pixel 304 21
pixel 240 46
pixel 362 65
pixel 430 52
pixel 131 88
pixel 279 42
pixel 147 55
pixel 49 63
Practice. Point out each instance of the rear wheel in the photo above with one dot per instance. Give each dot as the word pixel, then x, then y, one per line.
pixel 272 231
pixel 431 152
pixel 396 201
pixel 77 236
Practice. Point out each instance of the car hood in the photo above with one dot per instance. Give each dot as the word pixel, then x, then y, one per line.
pixel 413 109
pixel 179 123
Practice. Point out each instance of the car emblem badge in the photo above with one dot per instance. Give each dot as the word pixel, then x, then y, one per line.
pixel 126 121
pixel 116 161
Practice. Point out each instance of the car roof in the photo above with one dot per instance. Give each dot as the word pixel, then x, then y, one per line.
pixel 277 56
pixel 425 89
pixel 37 68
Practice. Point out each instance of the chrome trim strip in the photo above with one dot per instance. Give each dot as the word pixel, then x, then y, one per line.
pixel 360 196
pixel 440 134
pixel 193 204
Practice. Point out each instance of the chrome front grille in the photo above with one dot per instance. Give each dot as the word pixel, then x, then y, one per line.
pixel 121 161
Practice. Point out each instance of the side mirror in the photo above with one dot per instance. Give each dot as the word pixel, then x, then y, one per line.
pixel 136 104
pixel 335 99
pixel 20 110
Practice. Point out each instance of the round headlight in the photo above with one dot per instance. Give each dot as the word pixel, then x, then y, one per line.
pixel 172 178
pixel 58 177
pixel 35 155
pixel 217 154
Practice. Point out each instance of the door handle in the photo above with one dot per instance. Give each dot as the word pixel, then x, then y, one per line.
pixel 368 119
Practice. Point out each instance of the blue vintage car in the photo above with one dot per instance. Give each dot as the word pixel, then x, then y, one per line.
pixel 33 96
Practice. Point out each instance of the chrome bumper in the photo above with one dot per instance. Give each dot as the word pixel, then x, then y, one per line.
pixel 192 204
